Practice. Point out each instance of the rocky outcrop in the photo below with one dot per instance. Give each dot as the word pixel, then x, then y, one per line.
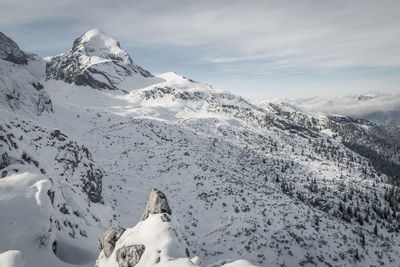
pixel 123 246
pixel 129 256
pixel 10 51
pixel 4 161
pixel 154 242
pixel 77 160
pixel 95 60
pixel 108 240
pixel 157 204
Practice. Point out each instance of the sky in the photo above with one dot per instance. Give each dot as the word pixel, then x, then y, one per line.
pixel 258 49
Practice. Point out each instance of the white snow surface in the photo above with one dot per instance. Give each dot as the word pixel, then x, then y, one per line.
pixel 98 46
pixel 12 258
pixel 18 93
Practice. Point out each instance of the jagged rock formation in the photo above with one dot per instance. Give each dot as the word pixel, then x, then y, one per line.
pixel 95 60
pixel 157 204
pixel 152 242
pixel 129 256
pixel 108 240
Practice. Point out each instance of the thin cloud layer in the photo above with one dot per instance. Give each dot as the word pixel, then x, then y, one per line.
pixel 355 105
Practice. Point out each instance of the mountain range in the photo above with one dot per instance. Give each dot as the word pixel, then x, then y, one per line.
pixel 86 135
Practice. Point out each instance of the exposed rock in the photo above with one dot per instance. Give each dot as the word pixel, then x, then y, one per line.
pixel 165 218
pixel 93 184
pixel 72 155
pixel 129 256
pixel 10 51
pixel 108 240
pixel 156 204
pixel 4 161
pixel 64 210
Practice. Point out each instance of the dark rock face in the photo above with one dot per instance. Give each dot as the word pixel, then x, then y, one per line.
pixel 108 240
pixel 78 66
pixel 165 218
pixel 72 156
pixel 4 161
pixel 44 102
pixel 129 256
pixel 10 51
pixel 93 184
pixel 156 204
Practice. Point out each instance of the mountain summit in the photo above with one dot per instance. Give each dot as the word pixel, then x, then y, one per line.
pixel 96 60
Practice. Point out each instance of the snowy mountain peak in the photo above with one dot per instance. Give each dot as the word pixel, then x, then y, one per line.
pixel 97 60
pixel 95 43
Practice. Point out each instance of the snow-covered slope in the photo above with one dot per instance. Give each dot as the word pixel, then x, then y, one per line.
pixel 20 90
pixel 379 143
pixel 273 185
pixel 50 194
pixel 12 258
pixel 98 61
pixel 245 182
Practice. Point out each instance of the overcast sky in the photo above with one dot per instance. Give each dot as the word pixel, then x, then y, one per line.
pixel 259 49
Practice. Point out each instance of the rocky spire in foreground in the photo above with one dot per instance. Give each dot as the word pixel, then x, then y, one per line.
pixel 154 241
pixel 157 204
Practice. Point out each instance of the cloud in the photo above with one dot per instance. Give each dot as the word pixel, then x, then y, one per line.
pixel 315 33
pixel 353 105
